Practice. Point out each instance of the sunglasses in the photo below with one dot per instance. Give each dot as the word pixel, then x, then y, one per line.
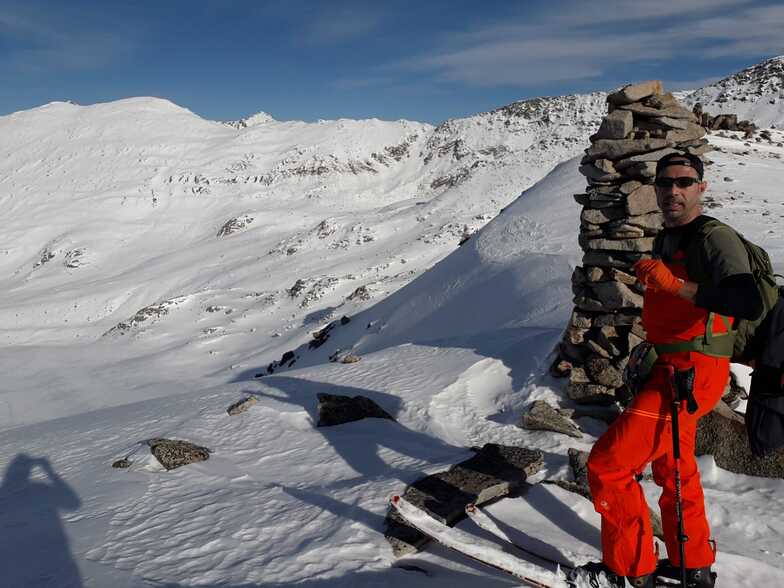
pixel 681 182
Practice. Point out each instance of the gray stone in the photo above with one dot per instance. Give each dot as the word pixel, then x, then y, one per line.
pixel 628 187
pixel 241 405
pixel 622 230
pixel 595 274
pixel 661 101
pixel 588 303
pixel 645 170
pixel 602 371
pixel 495 471
pixel 593 173
pixel 603 215
pixel 644 245
pixel 649 156
pixel 598 201
pixel 575 335
pixel 617 319
pixel 616 125
pixel 173 453
pixel 543 417
pixel 581 320
pixel 641 201
pixel 615 295
pixel 692 132
pixel 635 92
pixel 722 434
pixel 615 149
pixel 578 462
pixel 611 258
pixel 651 220
pixel 672 123
pixel 670 112
pixel 597 349
pixel 590 393
pixel 700 149
pixel 623 277
pixel 334 409
pixel 579 376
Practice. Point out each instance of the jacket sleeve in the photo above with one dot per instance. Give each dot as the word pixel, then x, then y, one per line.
pixel 732 290
pixel 735 295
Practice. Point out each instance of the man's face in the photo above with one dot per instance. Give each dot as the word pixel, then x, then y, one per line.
pixel 680 206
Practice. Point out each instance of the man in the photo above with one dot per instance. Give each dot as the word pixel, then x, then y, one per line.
pixel 678 310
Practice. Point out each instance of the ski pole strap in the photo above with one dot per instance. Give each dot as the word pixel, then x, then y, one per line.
pixel 683 382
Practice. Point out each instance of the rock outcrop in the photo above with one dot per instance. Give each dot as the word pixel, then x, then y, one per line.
pixel 495 471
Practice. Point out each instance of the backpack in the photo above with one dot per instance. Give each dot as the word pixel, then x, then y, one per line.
pixel 746 341
pixel 765 409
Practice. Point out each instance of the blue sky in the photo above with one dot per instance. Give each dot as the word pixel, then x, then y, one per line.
pixel 420 60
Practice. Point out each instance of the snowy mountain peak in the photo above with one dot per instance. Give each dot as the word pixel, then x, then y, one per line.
pixel 259 118
pixel 755 93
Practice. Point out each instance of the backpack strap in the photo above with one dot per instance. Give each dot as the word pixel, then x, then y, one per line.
pixel 716 345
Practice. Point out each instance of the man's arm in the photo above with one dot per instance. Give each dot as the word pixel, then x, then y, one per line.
pixel 732 290
pixel 736 296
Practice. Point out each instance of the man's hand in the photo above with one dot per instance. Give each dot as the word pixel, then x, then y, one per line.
pixel 652 273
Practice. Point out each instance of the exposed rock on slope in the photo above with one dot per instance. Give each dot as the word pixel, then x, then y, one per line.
pixel 755 93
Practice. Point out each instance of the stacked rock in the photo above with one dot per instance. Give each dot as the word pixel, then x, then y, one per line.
pixel 619 221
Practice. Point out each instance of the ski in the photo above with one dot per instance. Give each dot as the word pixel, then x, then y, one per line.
pixel 477 549
pixel 480 518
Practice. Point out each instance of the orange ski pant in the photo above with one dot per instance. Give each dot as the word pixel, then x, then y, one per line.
pixel 643 435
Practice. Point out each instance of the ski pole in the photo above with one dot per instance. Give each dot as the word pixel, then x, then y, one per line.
pixel 676 453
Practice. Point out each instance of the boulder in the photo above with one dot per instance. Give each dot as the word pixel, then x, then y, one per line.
pixel 597 175
pixel 649 156
pixel 590 393
pixel 670 123
pixel 629 187
pixel 722 434
pixel 635 92
pixel 241 405
pixel 616 125
pixel 541 416
pixel 615 295
pixel 644 245
pixel 602 215
pixel 174 453
pixel 642 201
pixel 674 111
pixel 615 149
pixel 334 409
pixel 602 371
pixel 495 471
pixel 651 220
pixel 611 258
pixel 693 131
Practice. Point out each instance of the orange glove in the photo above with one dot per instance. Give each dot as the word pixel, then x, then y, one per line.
pixel 652 273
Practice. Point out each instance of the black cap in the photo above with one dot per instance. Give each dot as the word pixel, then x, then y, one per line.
pixel 686 159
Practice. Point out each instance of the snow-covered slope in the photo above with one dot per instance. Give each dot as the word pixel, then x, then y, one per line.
pixel 138 227
pixel 454 356
pixel 104 217
pixel 755 93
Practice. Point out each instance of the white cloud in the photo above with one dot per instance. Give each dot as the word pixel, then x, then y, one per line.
pixel 588 40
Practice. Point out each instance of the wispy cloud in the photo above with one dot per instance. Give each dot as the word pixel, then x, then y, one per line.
pixel 339 22
pixel 38 40
pixel 589 40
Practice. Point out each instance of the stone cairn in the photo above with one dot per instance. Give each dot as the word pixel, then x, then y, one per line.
pixel 619 221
